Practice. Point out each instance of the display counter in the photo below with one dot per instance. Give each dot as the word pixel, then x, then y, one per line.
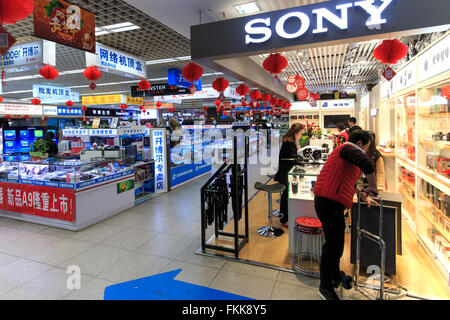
pixel 71 194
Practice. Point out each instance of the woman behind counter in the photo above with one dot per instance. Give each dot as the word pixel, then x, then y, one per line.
pixel 288 151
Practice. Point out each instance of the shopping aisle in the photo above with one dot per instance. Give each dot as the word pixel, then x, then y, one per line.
pixel 160 235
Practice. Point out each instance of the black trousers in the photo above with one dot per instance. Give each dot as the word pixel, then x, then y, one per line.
pixel 331 215
pixel 284 206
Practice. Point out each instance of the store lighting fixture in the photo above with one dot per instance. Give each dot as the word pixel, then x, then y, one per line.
pixel 168 60
pixel 246 8
pixel 114 28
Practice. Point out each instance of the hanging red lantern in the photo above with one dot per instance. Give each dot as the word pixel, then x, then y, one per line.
pixel 45 118
pixel 315 96
pixel 13 11
pixel 158 104
pixel 217 103
pixel 49 72
pixel 273 101
pixel 265 97
pixel 255 95
pixel 390 51
pixel 1 99
pixel 27 117
pixel 300 81
pixel 275 63
pixel 220 84
pixel 141 108
pixel 192 72
pixel 242 90
pixel 244 104
pixel 302 94
pixel 36 101
pixel 92 74
pixel 144 85
pixel 123 106
pixel 83 108
pixel 8 116
pixel 445 92
pixel 205 109
pixel 233 106
pixel 69 103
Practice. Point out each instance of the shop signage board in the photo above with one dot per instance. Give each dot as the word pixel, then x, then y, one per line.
pixel 326 21
pixel 50 110
pixel 149 114
pixel 62 22
pixel 54 94
pixel 205 93
pixel 66 111
pixel 338 104
pixel 97 112
pixel 104 99
pixel 29 55
pixel 6 41
pixel 386 89
pixel 115 61
pixel 176 78
pixel 184 173
pixel 20 109
pixel 406 77
pixel 54 203
pixel 134 100
pixel 163 89
pixel 435 60
pixel 159 154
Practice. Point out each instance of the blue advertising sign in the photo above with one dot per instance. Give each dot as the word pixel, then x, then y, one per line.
pixel 176 79
pixel 53 94
pixel 181 174
pixel 159 152
pixel 66 111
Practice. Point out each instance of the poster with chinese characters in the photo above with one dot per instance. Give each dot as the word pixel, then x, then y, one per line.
pixel 54 203
pixel 159 154
pixel 62 22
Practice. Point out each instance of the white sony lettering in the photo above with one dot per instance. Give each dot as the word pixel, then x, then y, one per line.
pixel 374 11
pixel 251 30
pixel 340 22
pixel 303 28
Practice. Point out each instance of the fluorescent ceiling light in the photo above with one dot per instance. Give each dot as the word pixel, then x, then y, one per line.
pixel 126 29
pixel 246 8
pixel 118 27
pixel 100 33
pixel 168 60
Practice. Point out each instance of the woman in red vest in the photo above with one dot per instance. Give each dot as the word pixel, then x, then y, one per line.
pixel 334 191
pixel 343 134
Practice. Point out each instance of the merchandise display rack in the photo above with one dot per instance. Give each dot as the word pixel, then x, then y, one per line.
pixel 237 172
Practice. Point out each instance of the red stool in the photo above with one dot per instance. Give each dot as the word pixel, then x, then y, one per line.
pixel 308 242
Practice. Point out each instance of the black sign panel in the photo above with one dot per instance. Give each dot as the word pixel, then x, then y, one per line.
pixel 158 90
pixel 319 22
pixel 106 113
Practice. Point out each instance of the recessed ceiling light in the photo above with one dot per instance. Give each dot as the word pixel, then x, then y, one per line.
pixel 118 27
pixel 246 8
pixel 125 29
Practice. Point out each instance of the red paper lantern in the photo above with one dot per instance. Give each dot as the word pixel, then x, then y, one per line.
pixel 244 104
pixel 315 96
pixel 445 92
pixel 158 104
pixel 273 101
pixel 36 101
pixel 1 99
pixel 233 106
pixel 123 106
pixel 27 117
pixel 265 97
pixel 242 90
pixel 49 72
pixel 217 103
pixel 205 109
pixel 141 108
pixel 390 51
pixel 13 11
pixel 255 95
pixel 275 63
pixel 302 94
pixel 144 85
pixel 192 72
pixel 92 74
pixel 8 116
pixel 220 84
pixel 83 108
pixel 69 103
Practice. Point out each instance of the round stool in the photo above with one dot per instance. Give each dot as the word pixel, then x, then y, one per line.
pixel 270 230
pixel 308 242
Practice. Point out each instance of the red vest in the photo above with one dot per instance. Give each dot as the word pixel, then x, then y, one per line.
pixel 337 179
pixel 342 138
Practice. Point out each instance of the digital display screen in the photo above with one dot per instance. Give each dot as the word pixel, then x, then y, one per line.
pixel 18 140
pixel 330 121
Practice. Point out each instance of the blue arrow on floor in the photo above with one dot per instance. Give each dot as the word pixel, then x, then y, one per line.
pixel 163 286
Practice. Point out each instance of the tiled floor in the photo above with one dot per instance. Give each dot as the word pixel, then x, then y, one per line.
pixel 158 236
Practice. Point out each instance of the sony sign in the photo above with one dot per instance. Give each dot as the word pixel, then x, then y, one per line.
pixel 259 30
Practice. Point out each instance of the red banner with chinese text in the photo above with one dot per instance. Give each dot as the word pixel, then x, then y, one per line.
pixel 62 22
pixel 48 202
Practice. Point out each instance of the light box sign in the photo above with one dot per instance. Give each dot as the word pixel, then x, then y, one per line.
pixel 319 22
pixel 105 99
pixel 20 109
pixel 159 154
pixel 436 60
pixel 205 93
pixel 24 56
pixel 176 78
pixel 53 94
pixel 114 61
pixel 62 22
pixel 66 111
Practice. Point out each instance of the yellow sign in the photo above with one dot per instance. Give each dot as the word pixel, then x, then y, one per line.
pixel 96 123
pixel 107 99
pixel 131 100
pixel 152 105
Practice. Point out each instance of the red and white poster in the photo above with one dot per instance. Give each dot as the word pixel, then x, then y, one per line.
pixel 48 202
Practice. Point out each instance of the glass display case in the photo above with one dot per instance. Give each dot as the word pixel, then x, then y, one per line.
pixel 407 188
pixel 9 170
pixel 405 107
pixel 302 179
pixel 434 131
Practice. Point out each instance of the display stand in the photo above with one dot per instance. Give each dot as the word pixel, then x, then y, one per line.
pixel 237 190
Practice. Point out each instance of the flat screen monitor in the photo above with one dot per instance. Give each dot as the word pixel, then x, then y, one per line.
pixel 331 120
pixel 18 140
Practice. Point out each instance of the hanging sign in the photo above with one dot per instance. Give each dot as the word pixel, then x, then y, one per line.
pixel 29 55
pixel 176 78
pixel 53 94
pixel 54 203
pixel 107 99
pixel 20 109
pixel 162 89
pixel 66 111
pixel 114 61
pixel 62 22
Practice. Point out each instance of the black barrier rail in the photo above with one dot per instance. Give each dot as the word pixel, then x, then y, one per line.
pixel 214 212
